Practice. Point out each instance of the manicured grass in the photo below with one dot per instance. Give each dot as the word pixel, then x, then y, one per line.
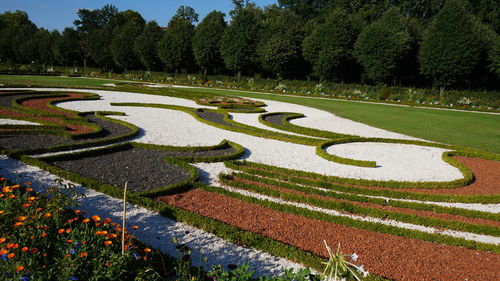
pixel 56 81
pixel 467 129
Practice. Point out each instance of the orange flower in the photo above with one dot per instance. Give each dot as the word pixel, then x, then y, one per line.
pixel 29 189
pixel 15 186
pixel 108 242
pixel 135 227
pixel 20 268
pixel 68 230
pixel 6 189
pixel 10 245
pixel 78 211
pixel 69 241
pixel 1 212
pixel 18 223
pixel 15 246
pixel 2 195
pixel 67 255
pixel 24 249
pixel 3 252
pixel 33 250
pixel 84 242
pixel 44 254
pixel 31 198
pixel 2 240
pixel 85 220
pixel 26 205
pixel 27 183
pixel 32 237
pixel 48 215
pixel 98 233
pixel 44 234
pixel 112 235
pixel 69 221
pixel 147 250
pixel 95 218
pixel 38 209
pixel 21 218
pixel 75 219
pixel 104 232
pixel 107 220
pixel 11 255
pixel 83 254
pixel 61 231
pixel 12 196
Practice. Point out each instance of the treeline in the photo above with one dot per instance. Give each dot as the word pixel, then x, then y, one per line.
pixel 452 44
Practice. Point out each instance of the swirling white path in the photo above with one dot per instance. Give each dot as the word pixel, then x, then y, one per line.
pixel 170 127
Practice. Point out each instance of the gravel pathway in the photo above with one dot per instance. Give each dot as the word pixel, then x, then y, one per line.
pixel 156 230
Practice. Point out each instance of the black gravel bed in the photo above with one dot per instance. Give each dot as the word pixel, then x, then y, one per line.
pixel 214 117
pixel 21 141
pixel 7 99
pixel 208 153
pixel 143 169
pixel 30 141
pixel 274 119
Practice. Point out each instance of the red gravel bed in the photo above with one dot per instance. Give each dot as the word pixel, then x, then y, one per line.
pixel 385 255
pixel 42 104
pixel 429 214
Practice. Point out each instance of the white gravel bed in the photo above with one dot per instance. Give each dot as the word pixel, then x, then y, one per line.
pixel 252 119
pixel 458 234
pixel 154 229
pixel 4 121
pixel 161 126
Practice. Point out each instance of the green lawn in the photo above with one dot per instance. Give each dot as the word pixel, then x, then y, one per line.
pixel 467 129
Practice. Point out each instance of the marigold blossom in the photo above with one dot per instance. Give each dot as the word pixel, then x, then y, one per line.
pixel 18 223
pixel 2 239
pixel 1 212
pixel 85 220
pixel 95 218
pixel 34 250
pixel 11 255
pixel 83 254
pixel 24 249
pixel 61 231
pixel 12 196
pixel 48 215
pixel 26 205
pixel 21 218
pixel 20 268
pixel 108 242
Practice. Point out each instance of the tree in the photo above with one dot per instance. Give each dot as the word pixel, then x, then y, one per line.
pixel 451 46
pixel 329 47
pixel 129 26
pixel 145 45
pixel 304 8
pixel 239 42
pixel 15 31
pixel 175 49
pixel 279 46
pixel 65 47
pixel 494 57
pixel 206 42
pixel 382 46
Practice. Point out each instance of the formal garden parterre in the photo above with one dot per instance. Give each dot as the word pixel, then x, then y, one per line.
pixel 248 171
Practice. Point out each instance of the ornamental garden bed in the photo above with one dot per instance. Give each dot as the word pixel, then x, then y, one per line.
pixel 283 197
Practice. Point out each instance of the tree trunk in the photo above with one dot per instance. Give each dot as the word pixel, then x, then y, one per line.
pixel 84 65
pixel 204 75
pixel 239 75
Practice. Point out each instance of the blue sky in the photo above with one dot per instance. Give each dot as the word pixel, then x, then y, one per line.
pixel 58 14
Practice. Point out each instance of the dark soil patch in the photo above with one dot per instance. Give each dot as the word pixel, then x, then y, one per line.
pixel 390 256
pixel 274 119
pixel 143 169
pixel 214 117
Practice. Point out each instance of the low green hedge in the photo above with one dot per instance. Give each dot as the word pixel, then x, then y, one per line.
pixel 370 226
pixel 324 182
pixel 366 199
pixel 366 211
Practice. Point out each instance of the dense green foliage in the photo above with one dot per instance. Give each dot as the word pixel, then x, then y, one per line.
pixel 452 44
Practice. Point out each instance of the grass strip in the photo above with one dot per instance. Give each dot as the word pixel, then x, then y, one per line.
pixel 371 226
pixel 258 169
pixel 366 211
pixel 364 199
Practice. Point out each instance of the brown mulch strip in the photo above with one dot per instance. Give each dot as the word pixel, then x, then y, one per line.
pixel 385 255
pixel 421 213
